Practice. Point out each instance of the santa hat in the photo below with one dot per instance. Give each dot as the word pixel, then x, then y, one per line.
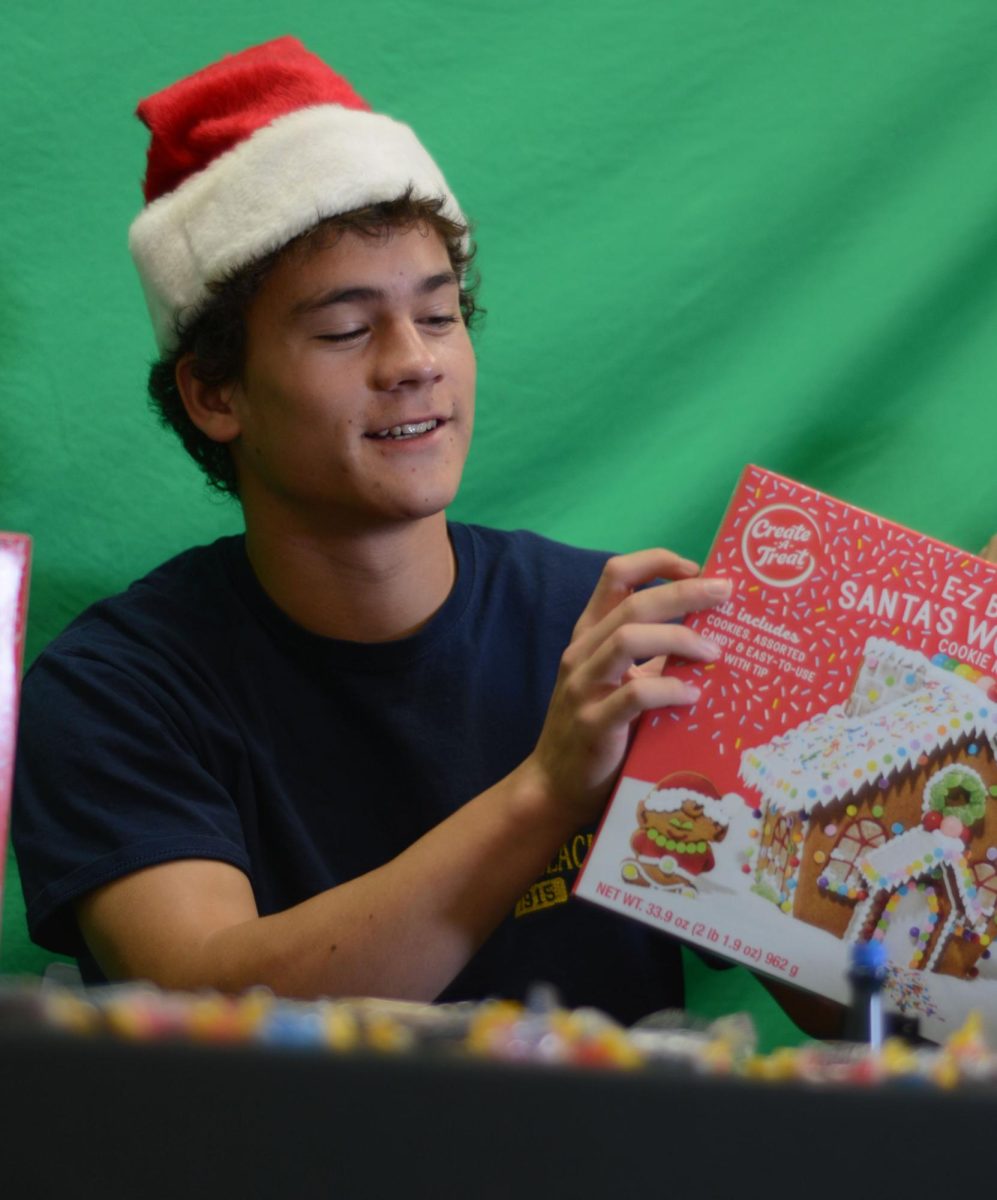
pixel 669 793
pixel 248 154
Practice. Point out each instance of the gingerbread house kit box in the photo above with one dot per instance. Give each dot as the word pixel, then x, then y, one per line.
pixel 15 553
pixel 836 780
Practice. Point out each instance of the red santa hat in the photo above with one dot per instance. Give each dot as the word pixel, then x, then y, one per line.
pixel 251 152
pixel 669 793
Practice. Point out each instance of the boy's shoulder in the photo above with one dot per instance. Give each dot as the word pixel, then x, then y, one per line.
pixel 190 591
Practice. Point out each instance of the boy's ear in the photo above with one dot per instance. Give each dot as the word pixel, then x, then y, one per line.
pixel 209 405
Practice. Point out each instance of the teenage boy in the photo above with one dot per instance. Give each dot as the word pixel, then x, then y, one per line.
pixel 360 750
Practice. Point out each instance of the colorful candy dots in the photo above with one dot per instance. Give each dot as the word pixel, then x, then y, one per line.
pixel 851 810
pixel 746 868
pixel 820 857
pixel 830 830
pixel 951 826
pixel 932 820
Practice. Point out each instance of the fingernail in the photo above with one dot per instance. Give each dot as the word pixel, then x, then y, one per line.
pixel 711 650
pixel 690 567
pixel 718 588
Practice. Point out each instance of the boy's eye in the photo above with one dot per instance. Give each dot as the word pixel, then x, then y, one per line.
pixel 345 336
pixel 434 321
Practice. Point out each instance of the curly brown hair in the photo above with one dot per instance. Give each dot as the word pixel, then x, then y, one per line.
pixel 216 335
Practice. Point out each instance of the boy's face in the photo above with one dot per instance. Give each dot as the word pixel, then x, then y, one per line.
pixel 356 403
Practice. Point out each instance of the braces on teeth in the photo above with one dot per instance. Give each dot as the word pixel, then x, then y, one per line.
pixel 407 430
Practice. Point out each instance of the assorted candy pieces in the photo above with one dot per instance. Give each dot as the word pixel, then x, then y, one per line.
pixel 539 1031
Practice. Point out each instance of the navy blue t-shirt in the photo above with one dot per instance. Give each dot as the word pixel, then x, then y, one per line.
pixel 189 717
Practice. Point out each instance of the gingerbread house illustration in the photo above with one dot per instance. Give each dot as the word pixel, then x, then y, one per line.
pixel 879 816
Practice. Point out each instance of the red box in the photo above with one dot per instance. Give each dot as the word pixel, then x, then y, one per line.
pixel 836 781
pixel 15 559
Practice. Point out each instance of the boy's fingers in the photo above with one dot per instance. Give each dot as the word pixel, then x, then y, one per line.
pixel 625 572
pixel 654 606
pixel 615 659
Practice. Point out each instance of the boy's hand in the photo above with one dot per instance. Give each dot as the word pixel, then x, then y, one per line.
pixel 611 672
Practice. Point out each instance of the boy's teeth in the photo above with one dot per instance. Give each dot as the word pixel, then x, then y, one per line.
pixel 397 431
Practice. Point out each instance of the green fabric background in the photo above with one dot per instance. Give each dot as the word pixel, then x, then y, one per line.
pixel 710 232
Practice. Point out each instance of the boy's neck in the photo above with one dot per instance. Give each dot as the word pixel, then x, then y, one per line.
pixel 378 587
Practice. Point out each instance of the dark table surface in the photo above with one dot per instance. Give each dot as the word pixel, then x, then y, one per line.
pixel 82 1118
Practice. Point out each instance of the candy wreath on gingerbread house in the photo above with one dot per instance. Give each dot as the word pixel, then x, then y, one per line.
pixel 879 816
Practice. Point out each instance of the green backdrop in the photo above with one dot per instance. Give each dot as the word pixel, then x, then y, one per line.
pixel 710 232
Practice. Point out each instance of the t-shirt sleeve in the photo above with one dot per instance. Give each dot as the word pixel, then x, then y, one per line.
pixel 111 776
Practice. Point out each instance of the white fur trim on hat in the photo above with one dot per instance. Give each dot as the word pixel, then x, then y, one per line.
pixel 301 168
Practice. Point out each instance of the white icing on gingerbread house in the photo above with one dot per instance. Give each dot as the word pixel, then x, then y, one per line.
pixel 901 707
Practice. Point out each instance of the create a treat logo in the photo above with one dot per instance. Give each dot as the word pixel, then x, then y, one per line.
pixel 780 545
